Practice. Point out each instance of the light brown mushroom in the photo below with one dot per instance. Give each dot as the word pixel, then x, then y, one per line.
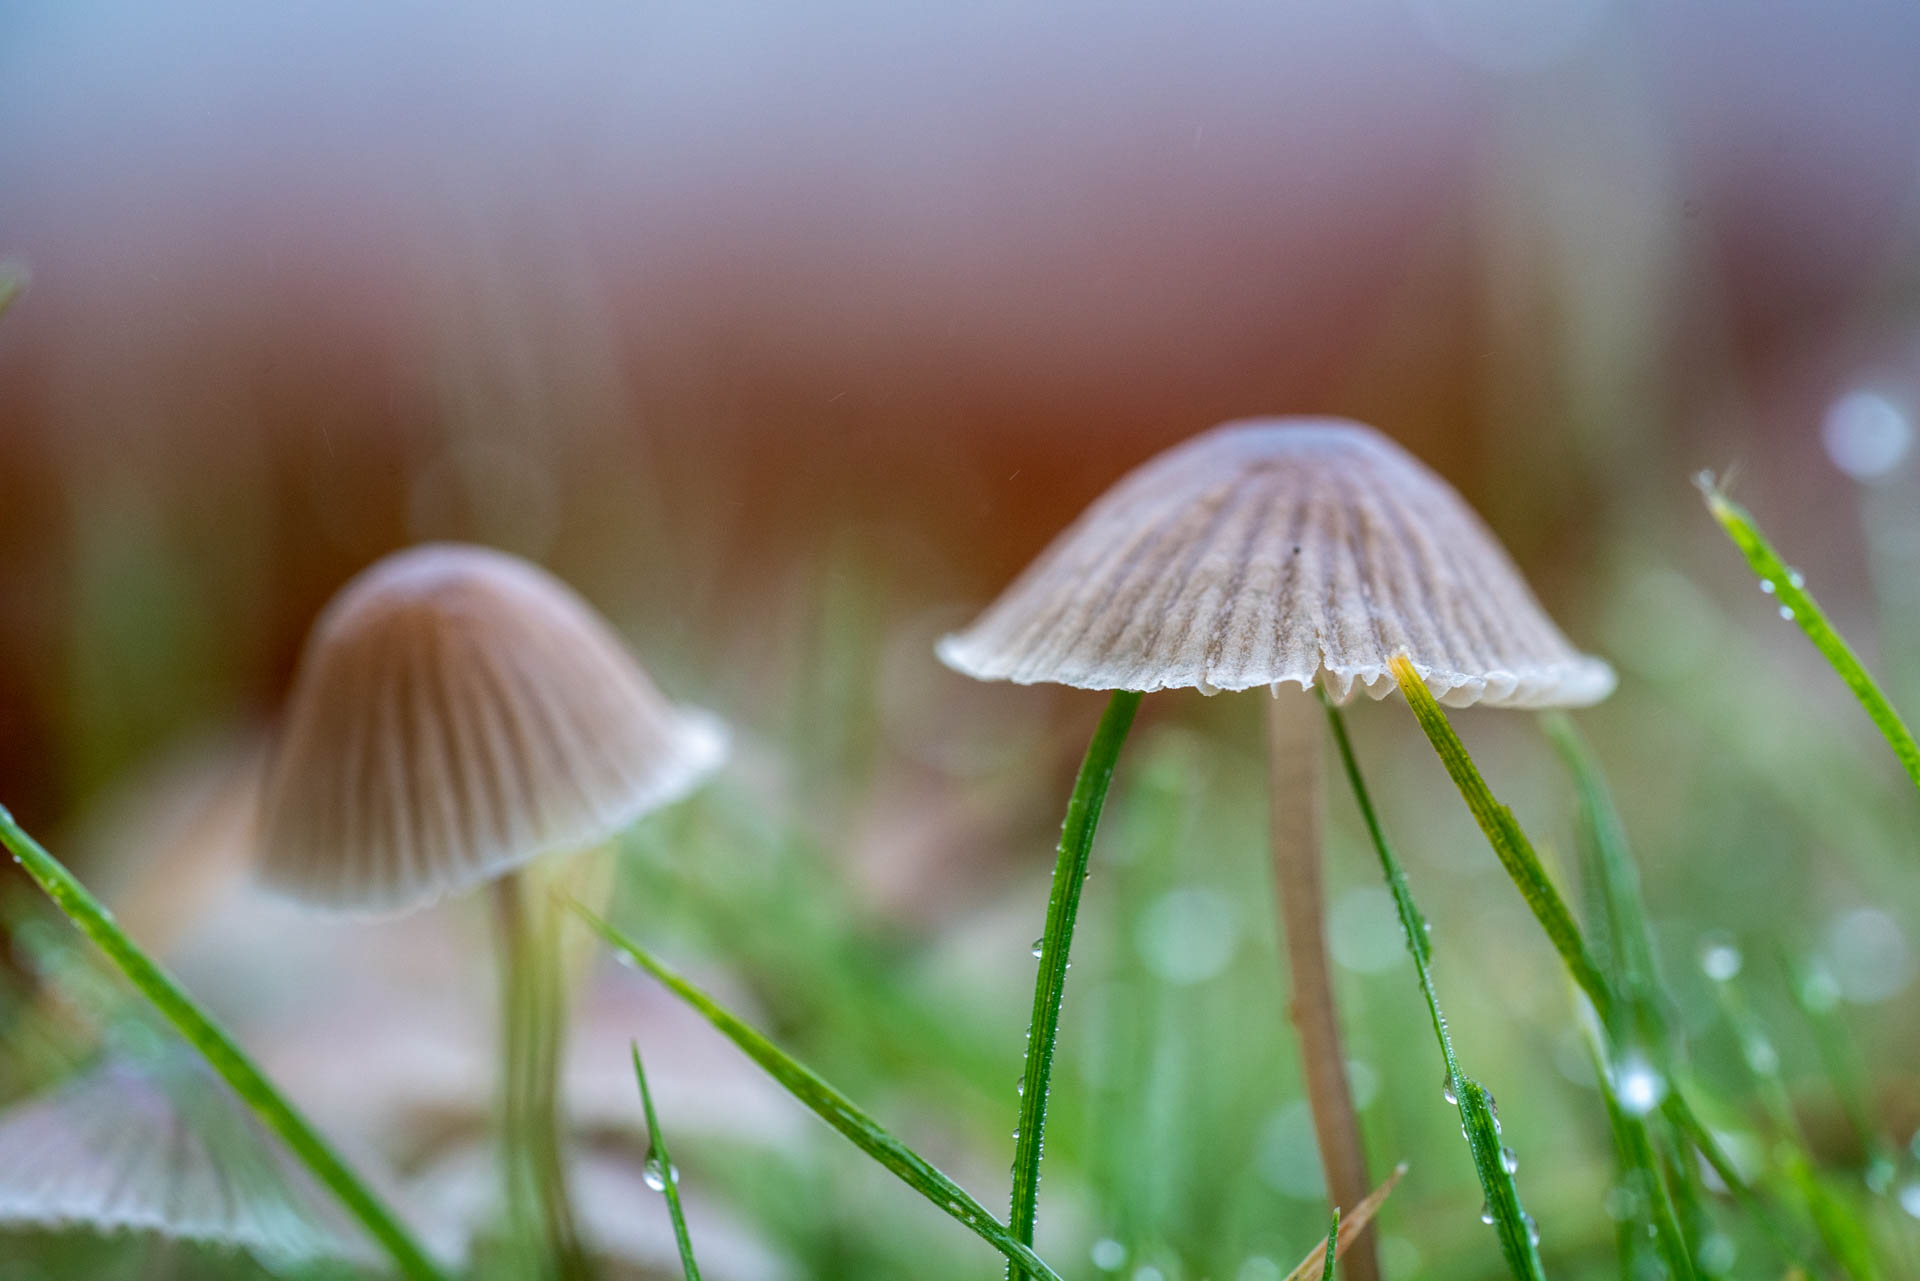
pixel 1275 552
pixel 156 1143
pixel 459 713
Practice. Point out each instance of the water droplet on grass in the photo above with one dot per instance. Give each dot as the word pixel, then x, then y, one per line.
pixel 1446 1091
pixel 1786 612
pixel 1766 585
pixel 1720 960
pixel 1039 945
pixel 1795 579
pixel 1508 1161
pixel 1637 1085
pixel 1910 1199
pixel 1486 1213
pixel 656 1173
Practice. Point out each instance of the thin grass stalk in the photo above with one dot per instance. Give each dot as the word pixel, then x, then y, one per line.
pixel 1478 1123
pixel 1639 1161
pixel 1841 1231
pixel 669 1175
pixel 830 1105
pixel 1509 843
pixel 1797 604
pixel 220 1050
pixel 1056 944
pixel 1347 1226
pixel 1524 868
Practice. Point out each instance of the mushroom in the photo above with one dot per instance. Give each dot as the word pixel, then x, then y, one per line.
pixel 156 1143
pixel 1273 552
pixel 458 713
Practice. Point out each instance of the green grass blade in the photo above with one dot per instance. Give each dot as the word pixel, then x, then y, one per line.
pixel 669 1176
pixel 1347 1224
pixel 1622 910
pixel 1063 905
pixel 1523 865
pixel 1639 1161
pixel 830 1105
pixel 1482 1129
pixel 1509 843
pixel 220 1050
pixel 1783 582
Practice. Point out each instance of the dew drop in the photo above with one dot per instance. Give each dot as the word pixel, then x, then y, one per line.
pixel 1795 579
pixel 1533 1229
pixel 1910 1199
pixel 1447 1092
pixel 656 1173
pixel 1720 960
pixel 626 959
pixel 1020 1086
pixel 1637 1085
pixel 1786 612
pixel 1038 945
pixel 1486 1213
pixel 1766 585
pixel 1508 1161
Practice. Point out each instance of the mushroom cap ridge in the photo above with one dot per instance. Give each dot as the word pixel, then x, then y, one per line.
pixel 457 713
pixel 1280 551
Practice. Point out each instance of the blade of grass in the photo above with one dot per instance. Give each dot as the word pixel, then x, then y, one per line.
pixel 1845 1236
pixel 1777 578
pixel 669 1176
pixel 1637 1158
pixel 829 1104
pixel 220 1050
pixel 1840 1058
pixel 1063 905
pixel 1331 1247
pixel 1523 866
pixel 1319 1260
pixel 1610 868
pixel 1509 843
pixel 1634 971
pixel 1477 1121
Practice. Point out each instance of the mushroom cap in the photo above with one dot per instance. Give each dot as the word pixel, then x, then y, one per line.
pixel 1275 551
pixel 165 1147
pixel 457 713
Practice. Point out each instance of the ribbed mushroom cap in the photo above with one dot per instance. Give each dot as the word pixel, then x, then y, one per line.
pixel 458 712
pixel 1276 551
pixel 165 1147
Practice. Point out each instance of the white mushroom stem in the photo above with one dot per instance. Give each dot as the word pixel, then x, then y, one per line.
pixel 533 1025
pixel 1296 791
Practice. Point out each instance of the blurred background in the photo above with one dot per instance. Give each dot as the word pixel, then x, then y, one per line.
pixel 788 334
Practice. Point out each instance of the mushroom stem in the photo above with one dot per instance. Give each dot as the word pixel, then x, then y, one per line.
pixel 1296 792
pixel 533 1024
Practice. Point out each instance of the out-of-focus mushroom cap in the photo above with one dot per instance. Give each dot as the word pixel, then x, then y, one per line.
pixel 1280 551
pixel 457 713
pixel 165 1147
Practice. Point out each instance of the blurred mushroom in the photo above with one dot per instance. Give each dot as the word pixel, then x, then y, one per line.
pixel 458 713
pixel 158 1143
pixel 1285 551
